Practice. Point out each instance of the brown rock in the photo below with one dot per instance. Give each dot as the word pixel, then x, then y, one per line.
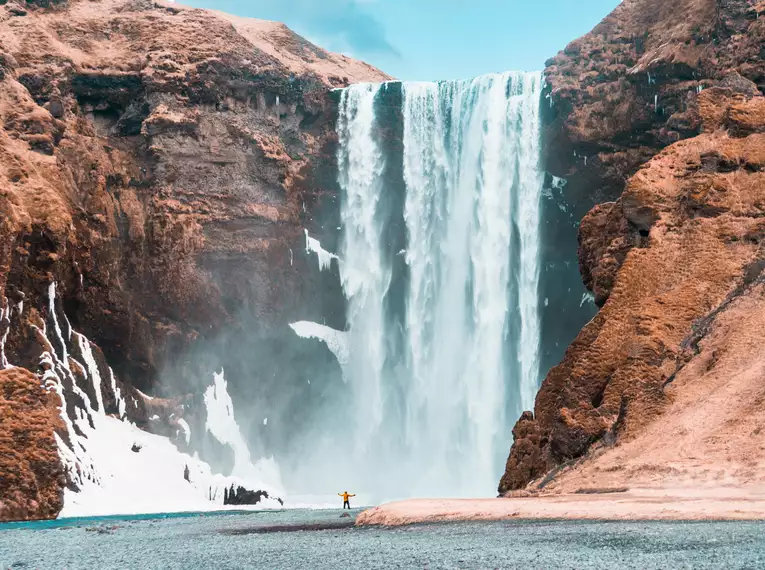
pixel 160 163
pixel 31 475
pixel 678 248
pixel 630 87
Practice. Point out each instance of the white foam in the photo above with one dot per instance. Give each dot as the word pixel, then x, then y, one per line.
pixel 56 327
pixel 148 481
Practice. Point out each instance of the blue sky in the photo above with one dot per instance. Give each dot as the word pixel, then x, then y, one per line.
pixel 432 39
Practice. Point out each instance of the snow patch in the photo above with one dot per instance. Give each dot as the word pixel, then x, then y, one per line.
pixel 558 183
pixel 222 424
pixel 336 341
pixel 5 318
pixel 186 430
pixel 117 468
pixel 587 297
pixel 117 394
pixel 92 370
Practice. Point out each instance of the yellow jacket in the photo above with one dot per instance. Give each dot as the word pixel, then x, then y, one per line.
pixel 345 495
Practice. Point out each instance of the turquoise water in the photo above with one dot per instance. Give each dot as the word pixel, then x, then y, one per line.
pixel 323 540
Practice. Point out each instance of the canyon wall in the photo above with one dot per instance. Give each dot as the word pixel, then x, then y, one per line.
pixel 664 115
pixel 159 166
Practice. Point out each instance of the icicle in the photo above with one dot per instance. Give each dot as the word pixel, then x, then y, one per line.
pixel 56 327
pixel 92 369
pixel 186 430
pixel 121 407
pixel 336 341
pixel 314 246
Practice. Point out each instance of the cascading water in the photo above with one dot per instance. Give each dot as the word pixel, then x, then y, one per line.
pixel 364 272
pixel 435 384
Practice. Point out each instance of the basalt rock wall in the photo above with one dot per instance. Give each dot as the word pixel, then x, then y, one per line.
pixel 656 121
pixel 159 166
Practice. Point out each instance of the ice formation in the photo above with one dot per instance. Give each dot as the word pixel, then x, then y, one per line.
pixel 222 424
pixel 336 341
pixel 314 246
pixel 5 319
pixel 115 467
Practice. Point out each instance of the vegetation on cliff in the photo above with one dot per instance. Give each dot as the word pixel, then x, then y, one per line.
pixel 674 262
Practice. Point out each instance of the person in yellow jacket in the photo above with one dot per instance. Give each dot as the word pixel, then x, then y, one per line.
pixel 345 495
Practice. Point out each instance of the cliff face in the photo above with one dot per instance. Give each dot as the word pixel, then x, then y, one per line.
pixel 630 87
pixel 31 473
pixel 675 262
pixel 158 165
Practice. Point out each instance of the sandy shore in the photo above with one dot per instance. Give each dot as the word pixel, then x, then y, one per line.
pixel 648 504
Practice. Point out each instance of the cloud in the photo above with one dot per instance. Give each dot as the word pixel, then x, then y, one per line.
pixel 343 24
pixel 352 22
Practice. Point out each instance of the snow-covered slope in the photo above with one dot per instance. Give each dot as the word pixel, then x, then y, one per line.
pixel 113 466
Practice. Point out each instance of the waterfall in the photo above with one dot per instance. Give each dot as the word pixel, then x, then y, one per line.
pixel 437 380
pixel 364 272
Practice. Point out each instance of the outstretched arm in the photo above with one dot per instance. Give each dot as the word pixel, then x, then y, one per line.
pixel 339 494
pixel 351 495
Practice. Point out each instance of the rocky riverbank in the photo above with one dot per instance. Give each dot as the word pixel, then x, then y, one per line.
pixel 604 504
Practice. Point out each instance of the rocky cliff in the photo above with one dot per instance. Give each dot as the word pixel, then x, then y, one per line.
pixel 158 168
pixel 666 114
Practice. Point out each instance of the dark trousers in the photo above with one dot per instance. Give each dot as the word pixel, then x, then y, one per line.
pixel 346 503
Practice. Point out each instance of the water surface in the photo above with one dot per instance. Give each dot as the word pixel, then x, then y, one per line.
pixel 322 540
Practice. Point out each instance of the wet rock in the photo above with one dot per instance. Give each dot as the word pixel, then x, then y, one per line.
pixel 15 10
pixel 238 495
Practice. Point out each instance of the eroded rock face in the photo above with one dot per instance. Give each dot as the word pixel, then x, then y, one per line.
pixel 31 474
pixel 631 86
pixel 619 95
pixel 159 165
pixel 681 245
